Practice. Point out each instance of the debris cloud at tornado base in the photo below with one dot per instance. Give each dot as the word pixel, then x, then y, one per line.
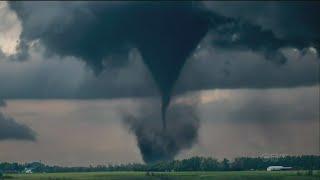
pixel 158 144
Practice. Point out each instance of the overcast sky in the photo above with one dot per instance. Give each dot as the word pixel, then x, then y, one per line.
pixel 66 78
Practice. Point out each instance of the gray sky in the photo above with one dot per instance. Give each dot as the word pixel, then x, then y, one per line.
pixel 81 132
pixel 254 77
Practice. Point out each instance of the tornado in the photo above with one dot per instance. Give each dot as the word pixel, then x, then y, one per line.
pixel 165 33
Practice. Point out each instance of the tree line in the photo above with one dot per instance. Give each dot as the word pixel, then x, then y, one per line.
pixel 305 162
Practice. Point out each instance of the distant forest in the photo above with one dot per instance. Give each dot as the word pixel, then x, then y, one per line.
pixel 307 162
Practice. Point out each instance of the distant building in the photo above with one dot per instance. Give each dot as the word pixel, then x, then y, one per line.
pixel 278 168
pixel 27 171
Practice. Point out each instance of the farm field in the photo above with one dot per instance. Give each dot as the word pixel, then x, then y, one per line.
pixel 239 175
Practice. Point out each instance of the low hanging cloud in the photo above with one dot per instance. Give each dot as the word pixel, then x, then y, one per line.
pixel 290 20
pixel 43 78
pixel 261 106
pixel 214 68
pixel 2 103
pixel 10 129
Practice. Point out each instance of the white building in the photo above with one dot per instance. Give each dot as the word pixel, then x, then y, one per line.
pixel 28 171
pixel 278 168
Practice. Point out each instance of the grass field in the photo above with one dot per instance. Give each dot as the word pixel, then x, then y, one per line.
pixel 239 175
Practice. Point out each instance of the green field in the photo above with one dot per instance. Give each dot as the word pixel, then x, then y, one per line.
pixel 260 175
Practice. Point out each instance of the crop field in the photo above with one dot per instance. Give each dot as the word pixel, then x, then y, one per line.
pixel 239 175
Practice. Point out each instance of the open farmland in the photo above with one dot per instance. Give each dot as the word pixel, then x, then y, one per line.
pixel 234 175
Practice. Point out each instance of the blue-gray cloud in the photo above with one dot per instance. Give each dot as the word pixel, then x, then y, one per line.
pixel 83 30
pixel 10 129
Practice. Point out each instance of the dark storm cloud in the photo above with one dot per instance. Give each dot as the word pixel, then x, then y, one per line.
pixel 266 27
pixel 291 20
pixel 2 103
pixel 212 68
pixel 102 33
pixel 10 129
pixel 165 33
pixel 132 80
pixel 42 78
pixel 241 35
